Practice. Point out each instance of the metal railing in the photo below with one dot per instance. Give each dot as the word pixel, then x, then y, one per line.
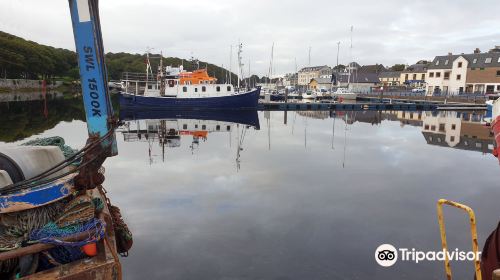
pixel 473 230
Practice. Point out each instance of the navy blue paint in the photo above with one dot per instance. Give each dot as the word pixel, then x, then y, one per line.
pixel 248 100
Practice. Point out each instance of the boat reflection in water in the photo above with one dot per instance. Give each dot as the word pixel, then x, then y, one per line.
pixel 168 127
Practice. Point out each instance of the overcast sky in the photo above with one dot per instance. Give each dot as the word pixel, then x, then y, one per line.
pixel 387 32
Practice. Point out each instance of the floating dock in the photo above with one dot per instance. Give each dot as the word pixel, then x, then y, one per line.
pixel 382 106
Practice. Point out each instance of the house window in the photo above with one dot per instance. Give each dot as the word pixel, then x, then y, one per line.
pixel 498 88
pixel 426 127
pixel 474 61
pixel 452 138
pixel 203 88
pixel 481 68
pixel 488 60
pixel 433 127
pixel 498 73
pixel 437 62
pixel 438 74
pixel 473 68
pixel 414 76
pixel 498 60
pixel 460 65
pixel 446 62
pixel 446 75
pixel 423 76
pixel 184 89
pixel 459 77
pixel 218 88
pixel 431 74
pixel 453 126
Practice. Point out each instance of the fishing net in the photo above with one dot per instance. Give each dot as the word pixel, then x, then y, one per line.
pixel 80 209
pixel 54 141
pixel 123 235
pixel 52 234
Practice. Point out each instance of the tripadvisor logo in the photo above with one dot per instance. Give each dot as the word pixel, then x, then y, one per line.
pixel 387 255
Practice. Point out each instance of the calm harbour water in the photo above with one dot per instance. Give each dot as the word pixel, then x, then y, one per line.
pixel 311 199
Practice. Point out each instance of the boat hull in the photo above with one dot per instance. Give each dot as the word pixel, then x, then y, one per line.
pixel 247 100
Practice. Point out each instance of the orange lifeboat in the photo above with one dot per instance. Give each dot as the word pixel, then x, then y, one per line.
pixel 196 77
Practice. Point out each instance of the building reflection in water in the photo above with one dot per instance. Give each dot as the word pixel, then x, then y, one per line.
pixel 460 130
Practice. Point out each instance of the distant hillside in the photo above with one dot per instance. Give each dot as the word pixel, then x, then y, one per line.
pixel 20 58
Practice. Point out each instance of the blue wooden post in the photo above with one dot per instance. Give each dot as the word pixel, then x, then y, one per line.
pixel 93 73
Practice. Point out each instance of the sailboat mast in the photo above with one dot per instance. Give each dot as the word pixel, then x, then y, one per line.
pixel 271 63
pixel 350 68
pixel 309 56
pixel 230 62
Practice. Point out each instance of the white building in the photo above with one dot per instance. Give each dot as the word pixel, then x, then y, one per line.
pixel 447 75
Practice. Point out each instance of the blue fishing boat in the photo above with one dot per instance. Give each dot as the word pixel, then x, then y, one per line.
pixel 176 88
pixel 232 100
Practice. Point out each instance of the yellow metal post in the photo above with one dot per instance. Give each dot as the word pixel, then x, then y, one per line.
pixel 473 230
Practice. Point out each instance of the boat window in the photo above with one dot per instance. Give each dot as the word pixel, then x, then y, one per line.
pixel 203 127
pixel 217 127
pixel 184 89
pixel 195 126
pixel 203 88
pixel 228 88
pixel 228 128
pixel 195 89
pixel 185 126
pixel 218 88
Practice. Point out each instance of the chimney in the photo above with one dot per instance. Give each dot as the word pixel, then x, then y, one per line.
pixel 477 50
pixel 450 54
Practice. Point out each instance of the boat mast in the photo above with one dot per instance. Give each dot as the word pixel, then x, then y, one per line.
pixel 350 66
pixel 309 56
pixel 271 63
pixel 240 64
pixel 230 62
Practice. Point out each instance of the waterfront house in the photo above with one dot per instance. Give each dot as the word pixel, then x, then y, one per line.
pixel 321 83
pixel 414 75
pixel 390 78
pixel 465 73
pixel 306 74
pixel 359 82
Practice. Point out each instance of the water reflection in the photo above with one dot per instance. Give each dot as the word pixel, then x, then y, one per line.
pixel 165 128
pixel 316 194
